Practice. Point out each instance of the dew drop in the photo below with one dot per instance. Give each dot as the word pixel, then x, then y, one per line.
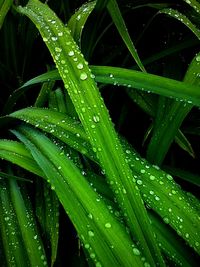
pixel 54 38
pixel 136 251
pixel 87 246
pixel 152 177
pixel 58 49
pixel 166 220
pixel 80 66
pixel 60 34
pixel 108 225
pixel 98 264
pixel 71 53
pixel 91 233
pixel 96 118
pixel 198 58
pixel 83 76
pixel 139 182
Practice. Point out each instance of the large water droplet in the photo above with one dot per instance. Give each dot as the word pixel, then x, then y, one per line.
pixel 71 53
pixel 83 76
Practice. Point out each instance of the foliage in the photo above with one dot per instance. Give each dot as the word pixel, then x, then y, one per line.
pixel 73 188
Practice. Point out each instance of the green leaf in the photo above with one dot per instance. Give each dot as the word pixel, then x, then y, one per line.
pixel 182 18
pixel 14 249
pixel 77 21
pixel 155 185
pixel 117 18
pixel 95 119
pixel 27 225
pixel 4 8
pixel 167 127
pixel 105 238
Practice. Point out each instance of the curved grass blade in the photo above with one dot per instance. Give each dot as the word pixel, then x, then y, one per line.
pixel 158 189
pixel 182 18
pixel 105 238
pixel 129 78
pixel 194 4
pixel 168 127
pixel 10 176
pixel 14 250
pixel 16 153
pixel 95 119
pixel 183 142
pixel 4 8
pixel 183 91
pixel 27 225
pixel 117 18
pixel 77 21
pixel 47 211
pixel 185 175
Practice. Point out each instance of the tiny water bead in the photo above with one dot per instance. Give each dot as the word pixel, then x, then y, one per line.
pixel 83 76
pixel 91 233
pixel 98 264
pixel 96 118
pixel 108 225
pixel 136 251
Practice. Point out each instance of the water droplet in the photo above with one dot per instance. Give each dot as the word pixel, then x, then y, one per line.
pixel 92 255
pixel 92 126
pixel 136 251
pixel 78 17
pixel 71 53
pixel 80 66
pixel 54 38
pixel 87 246
pixel 152 177
pixel 35 237
pixel 198 58
pixel 142 171
pixel 91 233
pixel 166 220
pixel 96 118
pixel 83 76
pixel 139 182
pixel 108 225
pixel 45 39
pixel 98 264
pixel 60 34
pixel 58 49
pixel 63 61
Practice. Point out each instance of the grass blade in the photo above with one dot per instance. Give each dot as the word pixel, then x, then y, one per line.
pixel 77 21
pixel 14 250
pixel 155 185
pixel 182 18
pixel 4 8
pixel 28 228
pixel 96 226
pixel 95 119
pixel 117 18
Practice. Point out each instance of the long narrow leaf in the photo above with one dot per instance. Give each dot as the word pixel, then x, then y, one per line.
pixel 95 119
pixel 100 232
